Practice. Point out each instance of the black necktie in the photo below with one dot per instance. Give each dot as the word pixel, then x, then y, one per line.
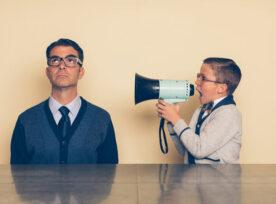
pixel 64 123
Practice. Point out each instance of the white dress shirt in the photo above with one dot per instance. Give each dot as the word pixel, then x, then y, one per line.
pixel 73 106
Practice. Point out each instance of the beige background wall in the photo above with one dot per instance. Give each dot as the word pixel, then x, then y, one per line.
pixel 165 39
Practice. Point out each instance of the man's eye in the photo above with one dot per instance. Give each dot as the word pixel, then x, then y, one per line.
pixel 203 77
pixel 71 59
pixel 54 60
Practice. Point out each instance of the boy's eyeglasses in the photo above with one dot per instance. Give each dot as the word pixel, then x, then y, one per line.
pixel 69 61
pixel 203 78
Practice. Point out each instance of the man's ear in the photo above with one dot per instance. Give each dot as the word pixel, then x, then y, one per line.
pixel 47 71
pixel 82 71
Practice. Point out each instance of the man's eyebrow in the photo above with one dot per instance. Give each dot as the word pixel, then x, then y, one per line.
pixel 71 55
pixel 53 56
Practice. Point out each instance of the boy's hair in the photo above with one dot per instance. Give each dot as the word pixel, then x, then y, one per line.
pixel 226 71
pixel 65 42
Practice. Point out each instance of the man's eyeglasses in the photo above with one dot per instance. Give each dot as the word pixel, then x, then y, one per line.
pixel 201 77
pixel 69 61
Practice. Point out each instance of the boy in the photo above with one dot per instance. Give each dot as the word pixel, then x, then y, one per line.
pixel 214 133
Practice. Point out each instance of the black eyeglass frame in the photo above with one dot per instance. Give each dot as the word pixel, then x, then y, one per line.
pixel 79 62
pixel 203 78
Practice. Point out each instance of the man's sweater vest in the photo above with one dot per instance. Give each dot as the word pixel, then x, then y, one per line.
pixel 39 137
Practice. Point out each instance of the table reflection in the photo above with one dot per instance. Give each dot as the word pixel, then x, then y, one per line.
pixel 125 184
pixel 58 184
pixel 200 184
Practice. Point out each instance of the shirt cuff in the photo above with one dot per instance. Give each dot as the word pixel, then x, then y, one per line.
pixel 170 128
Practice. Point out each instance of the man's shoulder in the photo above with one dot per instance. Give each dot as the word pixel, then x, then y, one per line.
pixel 94 108
pixel 33 110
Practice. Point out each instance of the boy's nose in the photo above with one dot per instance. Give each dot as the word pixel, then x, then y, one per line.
pixel 197 81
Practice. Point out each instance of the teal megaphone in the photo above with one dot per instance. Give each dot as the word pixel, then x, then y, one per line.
pixel 171 91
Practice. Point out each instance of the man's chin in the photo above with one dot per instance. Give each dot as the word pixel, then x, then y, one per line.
pixel 62 86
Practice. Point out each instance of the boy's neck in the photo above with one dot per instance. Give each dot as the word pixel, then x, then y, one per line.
pixel 220 96
pixel 217 100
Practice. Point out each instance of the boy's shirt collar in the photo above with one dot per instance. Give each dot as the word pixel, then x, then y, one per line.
pixel 216 101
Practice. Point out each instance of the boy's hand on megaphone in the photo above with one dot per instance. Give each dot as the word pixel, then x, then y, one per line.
pixel 170 112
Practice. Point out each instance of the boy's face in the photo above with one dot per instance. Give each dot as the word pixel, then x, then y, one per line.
pixel 208 89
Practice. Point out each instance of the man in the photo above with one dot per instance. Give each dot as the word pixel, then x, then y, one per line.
pixel 64 129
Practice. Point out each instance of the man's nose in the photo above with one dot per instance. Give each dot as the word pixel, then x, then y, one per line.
pixel 62 64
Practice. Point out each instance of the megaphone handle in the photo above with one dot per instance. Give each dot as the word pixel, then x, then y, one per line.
pixel 161 130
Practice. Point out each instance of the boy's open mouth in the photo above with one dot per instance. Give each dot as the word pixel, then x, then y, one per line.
pixel 200 94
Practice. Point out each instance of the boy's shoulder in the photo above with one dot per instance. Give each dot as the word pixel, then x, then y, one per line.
pixel 229 111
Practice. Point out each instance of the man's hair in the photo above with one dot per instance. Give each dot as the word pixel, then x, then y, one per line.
pixel 226 71
pixel 65 42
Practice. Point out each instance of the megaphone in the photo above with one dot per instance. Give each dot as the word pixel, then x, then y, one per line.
pixel 171 91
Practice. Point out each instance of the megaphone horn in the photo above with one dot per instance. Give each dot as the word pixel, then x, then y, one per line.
pixel 145 88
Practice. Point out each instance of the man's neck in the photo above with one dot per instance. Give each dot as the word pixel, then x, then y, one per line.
pixel 64 96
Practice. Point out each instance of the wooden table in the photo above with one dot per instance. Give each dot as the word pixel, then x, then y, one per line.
pixel 138 183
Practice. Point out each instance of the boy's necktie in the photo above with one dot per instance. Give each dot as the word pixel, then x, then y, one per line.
pixel 64 123
pixel 206 107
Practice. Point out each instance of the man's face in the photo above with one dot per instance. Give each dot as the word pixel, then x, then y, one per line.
pixel 208 90
pixel 63 76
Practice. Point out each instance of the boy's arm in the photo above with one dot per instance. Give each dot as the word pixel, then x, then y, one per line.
pixel 178 144
pixel 223 125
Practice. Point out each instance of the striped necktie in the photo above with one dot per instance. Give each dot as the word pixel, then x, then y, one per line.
pixel 207 107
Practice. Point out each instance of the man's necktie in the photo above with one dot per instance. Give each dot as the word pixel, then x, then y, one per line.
pixel 64 123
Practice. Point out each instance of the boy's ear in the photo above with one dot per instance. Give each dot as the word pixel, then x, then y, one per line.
pixel 222 88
